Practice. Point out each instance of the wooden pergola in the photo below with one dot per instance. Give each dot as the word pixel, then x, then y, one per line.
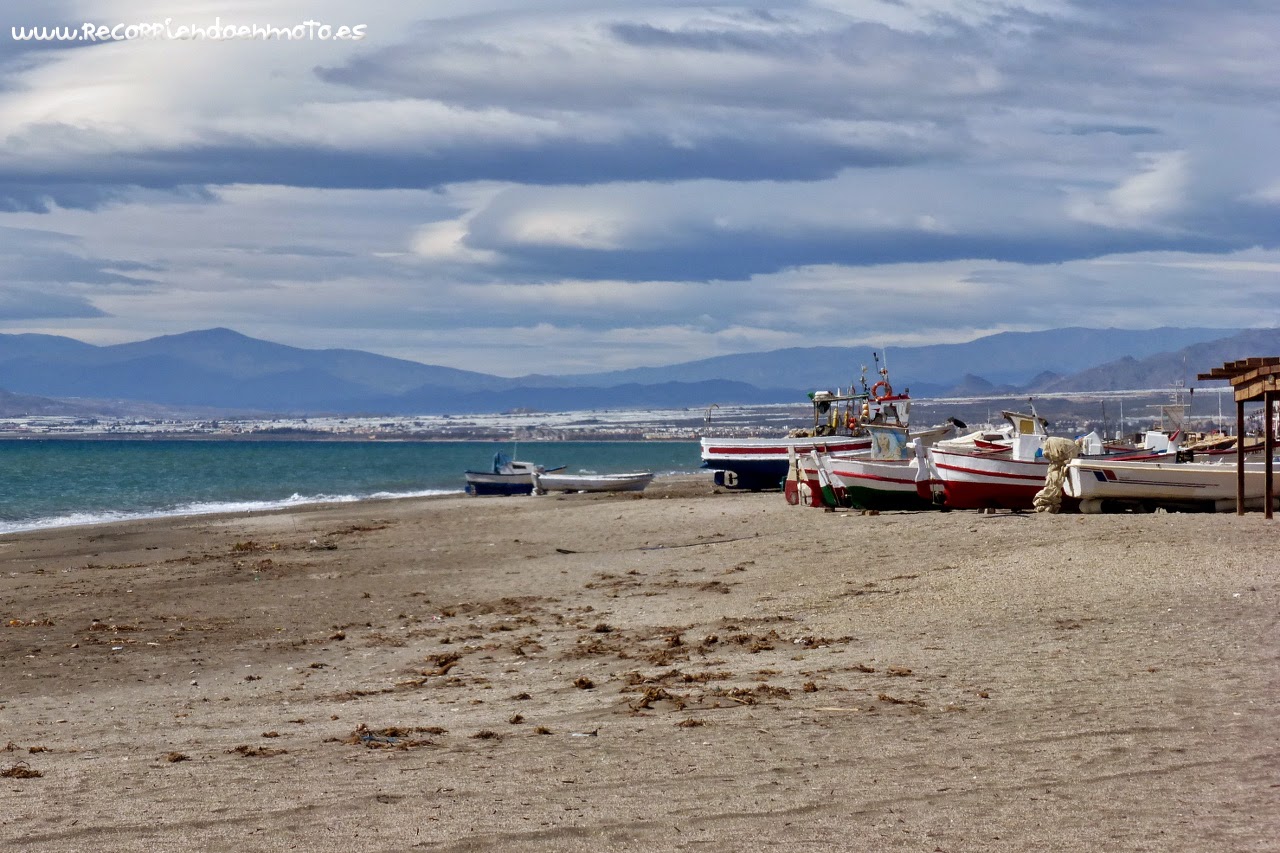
pixel 1253 379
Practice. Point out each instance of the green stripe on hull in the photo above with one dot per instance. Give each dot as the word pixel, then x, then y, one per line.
pixel 884 499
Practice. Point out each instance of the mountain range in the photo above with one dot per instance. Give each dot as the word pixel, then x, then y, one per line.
pixel 220 370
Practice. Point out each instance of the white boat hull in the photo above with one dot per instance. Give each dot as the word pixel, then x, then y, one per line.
pixel 592 482
pixel 880 483
pixel 1166 483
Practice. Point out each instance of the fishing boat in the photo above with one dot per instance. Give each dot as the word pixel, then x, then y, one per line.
pixel 888 477
pixel 1103 485
pixel 1005 469
pixel 508 477
pixel 634 482
pixel 760 464
pixel 838 429
pixel 882 478
pixel 975 472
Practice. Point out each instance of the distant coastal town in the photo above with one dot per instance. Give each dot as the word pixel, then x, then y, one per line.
pixel 1109 412
pixel 592 426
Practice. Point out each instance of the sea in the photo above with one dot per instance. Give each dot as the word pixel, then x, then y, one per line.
pixel 63 482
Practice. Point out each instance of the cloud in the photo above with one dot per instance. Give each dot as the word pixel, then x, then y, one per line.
pixel 585 101
pixel 647 182
pixel 22 303
pixel 1145 200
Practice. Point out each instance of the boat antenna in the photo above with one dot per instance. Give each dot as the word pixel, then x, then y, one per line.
pixel 882 369
pixel 707 418
pixel 1032 402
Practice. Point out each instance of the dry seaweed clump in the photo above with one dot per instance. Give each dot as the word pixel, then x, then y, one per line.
pixel 21 770
pixel 658 694
pixel 257 751
pixel 391 737
pixel 894 700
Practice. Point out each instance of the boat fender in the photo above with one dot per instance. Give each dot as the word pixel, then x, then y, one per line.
pixel 881 390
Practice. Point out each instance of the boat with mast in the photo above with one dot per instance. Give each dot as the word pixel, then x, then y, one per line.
pixel 838 428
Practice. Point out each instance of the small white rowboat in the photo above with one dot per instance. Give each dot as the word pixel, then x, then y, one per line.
pixel 543 483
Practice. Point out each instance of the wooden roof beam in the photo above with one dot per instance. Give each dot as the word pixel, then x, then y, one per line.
pixel 1256 389
pixel 1234 369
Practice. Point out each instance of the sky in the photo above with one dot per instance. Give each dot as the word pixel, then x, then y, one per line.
pixel 584 185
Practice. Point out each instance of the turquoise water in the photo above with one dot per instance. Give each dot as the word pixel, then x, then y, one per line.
pixel 49 483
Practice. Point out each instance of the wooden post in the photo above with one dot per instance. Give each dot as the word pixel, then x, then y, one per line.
pixel 1239 456
pixel 1268 447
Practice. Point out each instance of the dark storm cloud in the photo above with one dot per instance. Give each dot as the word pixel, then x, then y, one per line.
pixel 22 303
pixel 742 255
pixel 773 154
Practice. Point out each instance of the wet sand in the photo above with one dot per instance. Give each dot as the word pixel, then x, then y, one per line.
pixel 679 671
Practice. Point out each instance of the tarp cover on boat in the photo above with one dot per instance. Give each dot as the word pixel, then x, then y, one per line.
pixel 502 463
pixel 1059 452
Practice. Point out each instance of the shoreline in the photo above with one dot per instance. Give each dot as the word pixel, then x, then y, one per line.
pixel 662 484
pixel 215 510
pixel 681 670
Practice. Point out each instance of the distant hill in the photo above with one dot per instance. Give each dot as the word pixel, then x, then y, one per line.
pixel 1007 358
pixel 976 386
pixel 1164 369
pixel 219 370
pixel 28 405
pixel 20 405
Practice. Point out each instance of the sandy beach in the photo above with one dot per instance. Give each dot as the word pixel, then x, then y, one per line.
pixel 680 671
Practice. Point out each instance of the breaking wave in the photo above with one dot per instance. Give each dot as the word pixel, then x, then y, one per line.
pixel 78 519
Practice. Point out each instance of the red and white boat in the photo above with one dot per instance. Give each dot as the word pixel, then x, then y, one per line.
pixel 997 478
pixel 884 478
pixel 991 471
pixel 838 419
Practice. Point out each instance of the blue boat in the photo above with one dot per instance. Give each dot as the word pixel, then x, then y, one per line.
pixel 508 477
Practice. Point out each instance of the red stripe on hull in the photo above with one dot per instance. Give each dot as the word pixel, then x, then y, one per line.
pixel 782 450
